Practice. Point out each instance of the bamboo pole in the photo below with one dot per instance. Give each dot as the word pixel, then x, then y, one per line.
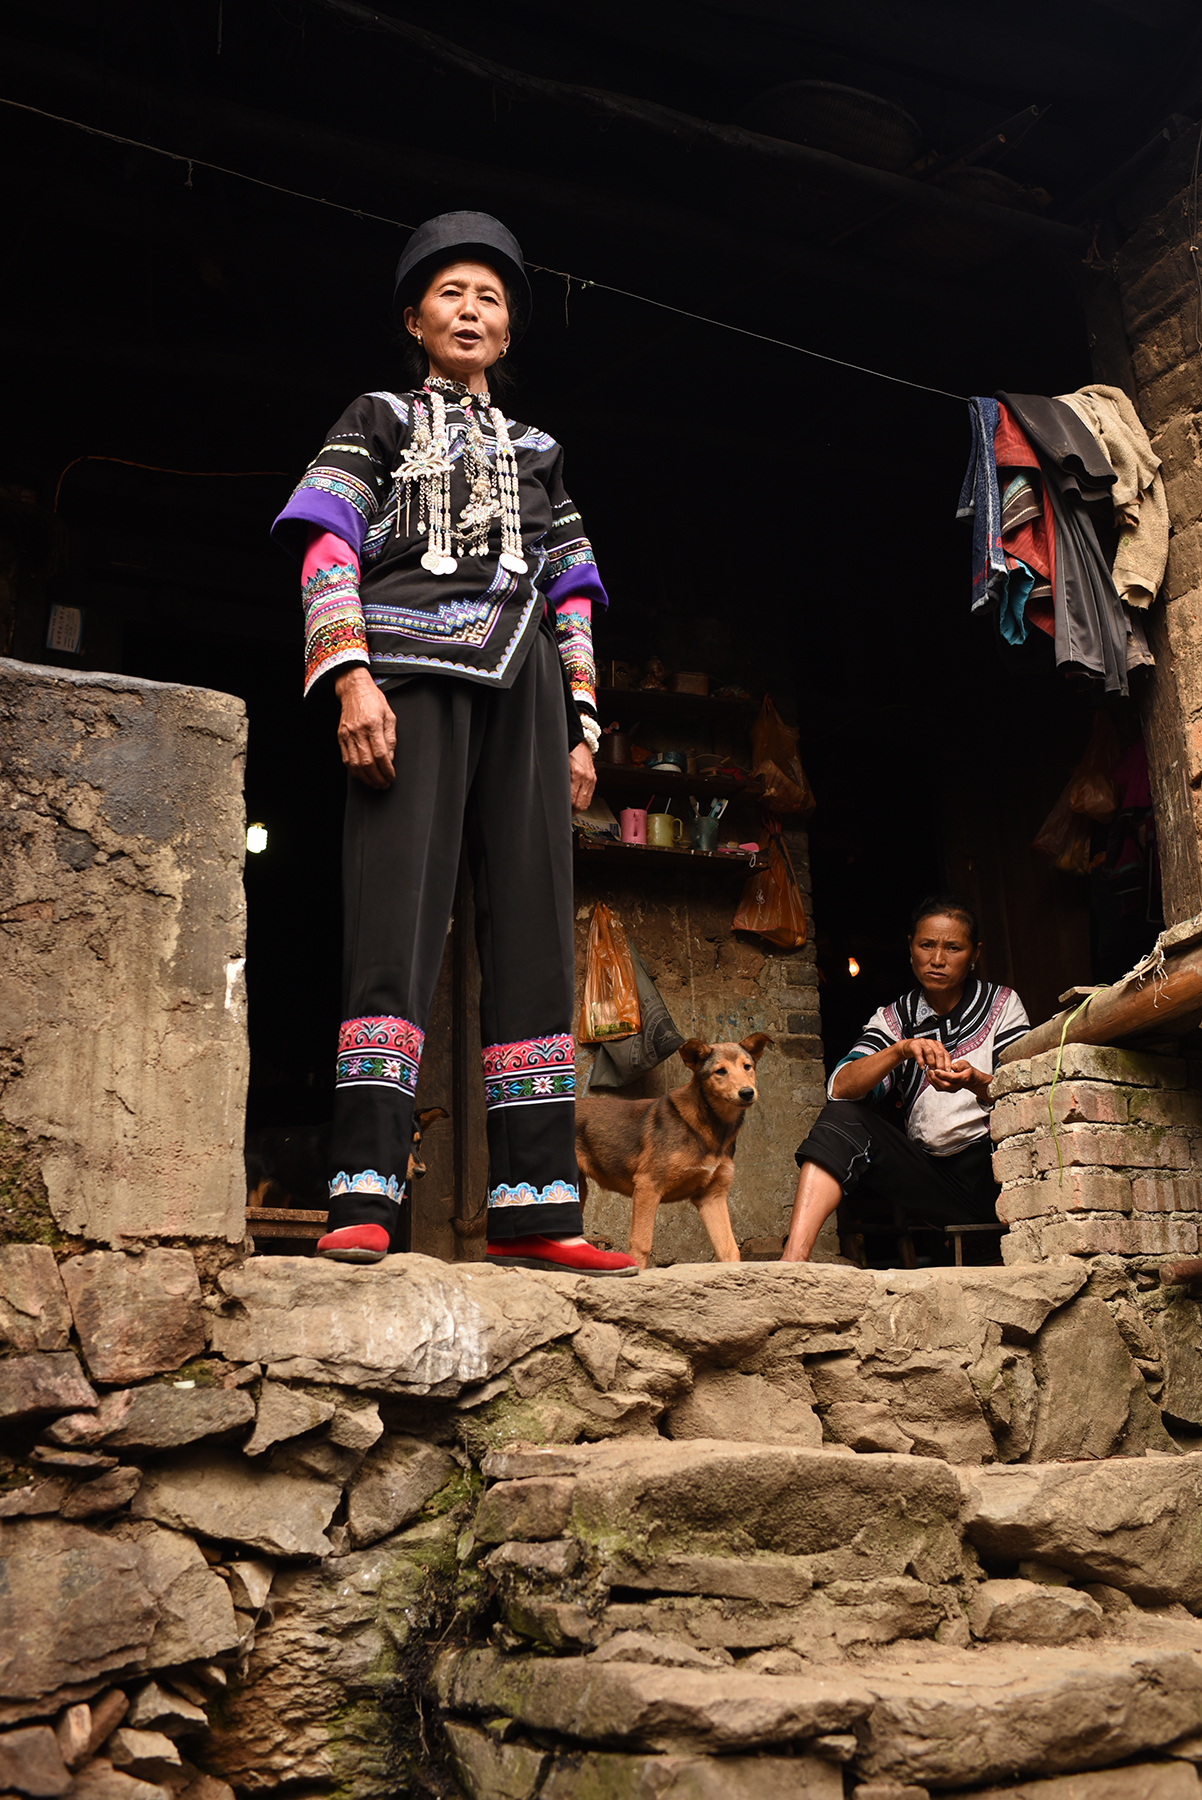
pixel 1136 1004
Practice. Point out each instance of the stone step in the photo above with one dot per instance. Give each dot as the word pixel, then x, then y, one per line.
pixel 992 1715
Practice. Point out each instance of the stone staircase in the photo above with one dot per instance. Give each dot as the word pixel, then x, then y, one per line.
pixel 436 1531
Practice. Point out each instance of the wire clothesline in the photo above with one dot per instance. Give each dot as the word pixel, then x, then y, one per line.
pixel 357 212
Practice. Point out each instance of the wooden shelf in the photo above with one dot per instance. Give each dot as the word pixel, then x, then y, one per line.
pixel 625 779
pixel 648 705
pixel 609 851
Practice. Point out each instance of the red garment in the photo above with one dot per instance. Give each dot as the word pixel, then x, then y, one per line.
pixel 1033 542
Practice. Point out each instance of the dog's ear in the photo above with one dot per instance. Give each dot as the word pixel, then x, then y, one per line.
pixel 755 1045
pixel 693 1053
pixel 427 1118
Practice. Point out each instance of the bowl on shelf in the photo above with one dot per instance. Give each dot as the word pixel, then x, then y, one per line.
pixel 669 762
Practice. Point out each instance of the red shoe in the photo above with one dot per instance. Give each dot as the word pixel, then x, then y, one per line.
pixel 354 1244
pixel 551 1253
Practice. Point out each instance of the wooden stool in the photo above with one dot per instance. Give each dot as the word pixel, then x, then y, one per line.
pixel 959 1232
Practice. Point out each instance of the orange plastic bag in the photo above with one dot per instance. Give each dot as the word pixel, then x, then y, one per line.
pixel 1064 836
pixel 771 904
pixel 774 757
pixel 1091 785
pixel 609 1005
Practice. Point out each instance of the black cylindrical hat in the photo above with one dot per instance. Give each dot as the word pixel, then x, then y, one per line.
pixel 463 237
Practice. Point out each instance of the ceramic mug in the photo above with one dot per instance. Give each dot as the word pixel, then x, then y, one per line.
pixel 664 830
pixel 633 821
pixel 704 834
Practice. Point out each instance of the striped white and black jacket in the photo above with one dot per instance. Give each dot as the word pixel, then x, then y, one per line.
pixel 984 1020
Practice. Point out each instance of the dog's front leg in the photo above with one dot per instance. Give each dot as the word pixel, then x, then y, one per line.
pixel 715 1216
pixel 642 1220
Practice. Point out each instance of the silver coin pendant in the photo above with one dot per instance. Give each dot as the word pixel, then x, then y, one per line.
pixel 515 564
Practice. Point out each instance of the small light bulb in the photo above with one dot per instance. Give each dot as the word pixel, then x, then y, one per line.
pixel 256 838
pixel 853 967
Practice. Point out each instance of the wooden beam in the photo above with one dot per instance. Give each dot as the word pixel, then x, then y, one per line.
pixel 1130 1007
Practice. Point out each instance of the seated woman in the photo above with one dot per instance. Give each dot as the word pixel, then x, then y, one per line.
pixel 936 1048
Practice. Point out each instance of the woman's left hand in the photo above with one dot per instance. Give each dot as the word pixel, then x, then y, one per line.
pixel 584 777
pixel 961 1074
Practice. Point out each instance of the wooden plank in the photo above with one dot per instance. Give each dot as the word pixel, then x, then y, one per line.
pixel 292 1215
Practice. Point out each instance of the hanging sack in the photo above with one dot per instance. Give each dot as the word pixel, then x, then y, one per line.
pixel 771 904
pixel 615 1064
pixel 609 1005
pixel 774 758
pixel 1091 784
pixel 1064 836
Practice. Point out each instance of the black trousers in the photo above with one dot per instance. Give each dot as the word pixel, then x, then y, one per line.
pixel 490 769
pixel 873 1159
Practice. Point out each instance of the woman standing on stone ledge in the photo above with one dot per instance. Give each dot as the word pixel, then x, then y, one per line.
pixel 448 589
pixel 936 1048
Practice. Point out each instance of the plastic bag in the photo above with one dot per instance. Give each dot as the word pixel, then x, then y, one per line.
pixel 617 1063
pixel 1091 784
pixel 774 757
pixel 609 1005
pixel 1064 836
pixel 771 904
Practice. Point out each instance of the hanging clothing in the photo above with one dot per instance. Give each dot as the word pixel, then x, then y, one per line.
pixel 479 621
pixel 1140 507
pixel 490 769
pixel 981 502
pixel 986 1018
pixel 1092 629
pixel 1028 533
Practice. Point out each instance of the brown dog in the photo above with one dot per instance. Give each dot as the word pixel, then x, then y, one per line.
pixel 679 1147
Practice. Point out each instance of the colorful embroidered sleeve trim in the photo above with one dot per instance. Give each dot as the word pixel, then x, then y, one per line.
pixel 556 1193
pixel 334 629
pixel 574 638
pixel 379 1052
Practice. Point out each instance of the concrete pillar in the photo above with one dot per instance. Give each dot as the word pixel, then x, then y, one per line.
pixel 1163 325
pixel 123 1055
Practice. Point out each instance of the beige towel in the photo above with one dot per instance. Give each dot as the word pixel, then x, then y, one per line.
pixel 1140 508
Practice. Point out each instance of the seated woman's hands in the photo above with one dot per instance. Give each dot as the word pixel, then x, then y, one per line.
pixel 944 1075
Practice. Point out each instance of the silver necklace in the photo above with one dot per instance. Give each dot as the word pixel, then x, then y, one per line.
pixel 492 490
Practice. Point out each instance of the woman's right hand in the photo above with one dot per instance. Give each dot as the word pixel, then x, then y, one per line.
pixel 928 1053
pixel 367 728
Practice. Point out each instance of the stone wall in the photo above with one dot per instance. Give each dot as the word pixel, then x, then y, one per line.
pixel 422 1529
pixel 1121 1172
pixel 122 932
pixel 1160 311
pixel 719 987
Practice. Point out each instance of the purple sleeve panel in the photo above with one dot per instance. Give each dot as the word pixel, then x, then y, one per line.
pixel 583 580
pixel 309 508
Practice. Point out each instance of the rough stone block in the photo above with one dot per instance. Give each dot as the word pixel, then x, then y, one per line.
pixel 397 1478
pixel 31 1762
pixel 1119 1147
pixel 1027 1612
pixel 149 1754
pixel 1134 1781
pixel 121 963
pixel 1089 1062
pixel 136 1315
pixel 1086 1380
pixel 107 1494
pixel 772 1580
pixel 75 1604
pixel 489 1770
pixel 1130 1522
pixel 601 1775
pixel 162 1417
pixel 194 1612
pixel 407 1325
pixel 283 1414
pixel 720 1311
pixel 1002 1712
pixel 100 1781
pixel 538 1507
pixel 866 1425
pixel 1167 1193
pixel 1107 1235
pixel 42 1383
pixel 1082 1190
pixel 223 1496
pixel 155 1709
pixel 1153 1107
pixel 1013 1160
pixel 34 1314
pixel 646 1707
pixel 725 1403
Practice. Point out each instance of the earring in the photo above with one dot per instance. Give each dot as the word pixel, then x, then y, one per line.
pixel 504 353
pixel 420 342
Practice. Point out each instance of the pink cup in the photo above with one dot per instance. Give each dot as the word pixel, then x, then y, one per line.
pixel 633 822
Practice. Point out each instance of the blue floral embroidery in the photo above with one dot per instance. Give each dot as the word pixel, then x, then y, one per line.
pixel 366 1182
pixel 556 1193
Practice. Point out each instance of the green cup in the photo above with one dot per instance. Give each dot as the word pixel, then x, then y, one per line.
pixel 704 834
pixel 664 831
